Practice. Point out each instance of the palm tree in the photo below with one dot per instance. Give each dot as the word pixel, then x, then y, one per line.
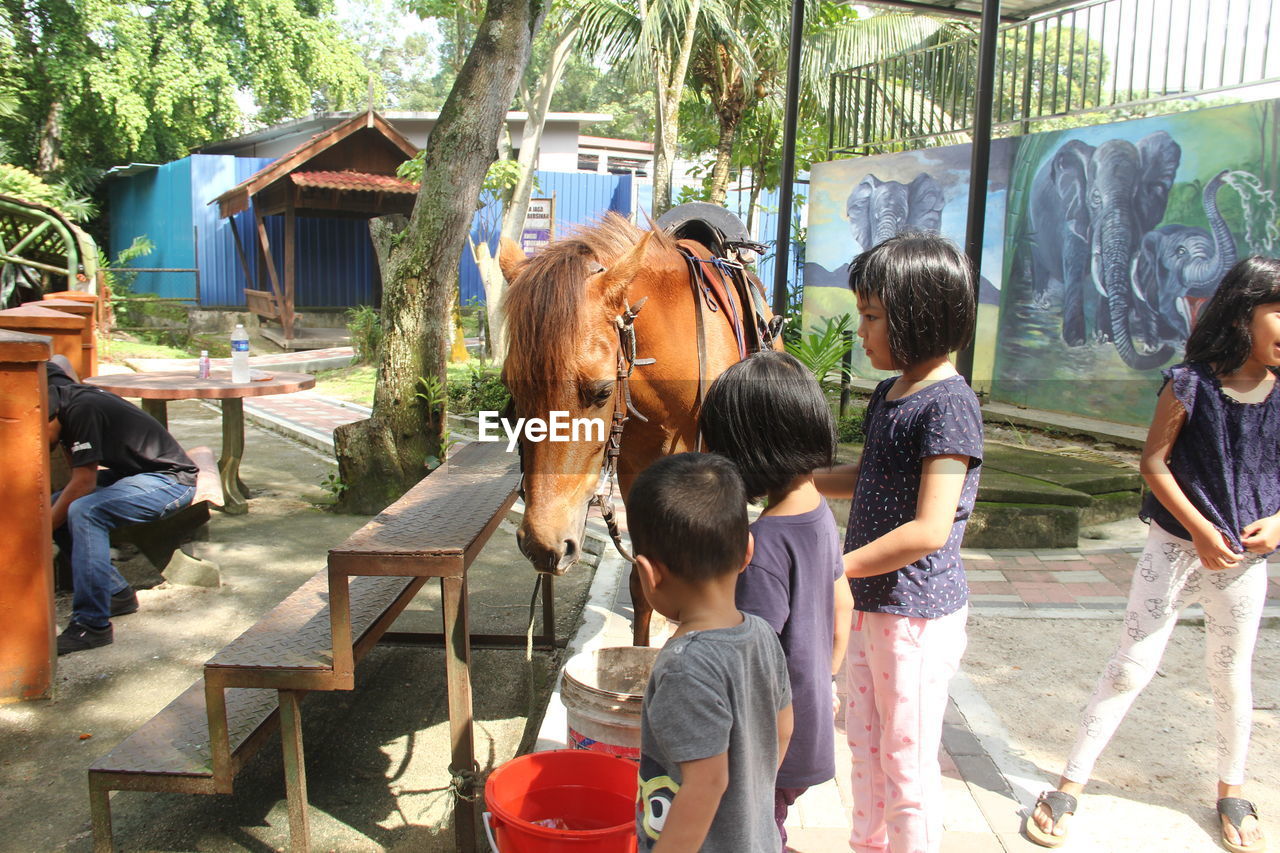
pixel 836 36
pixel 656 39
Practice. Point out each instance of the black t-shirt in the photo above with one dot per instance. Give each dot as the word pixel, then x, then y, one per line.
pixel 99 428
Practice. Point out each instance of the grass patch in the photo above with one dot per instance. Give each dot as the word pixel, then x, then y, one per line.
pixel 355 384
pixel 352 384
pixel 118 351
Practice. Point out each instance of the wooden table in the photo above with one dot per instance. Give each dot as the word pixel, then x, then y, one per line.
pixel 157 389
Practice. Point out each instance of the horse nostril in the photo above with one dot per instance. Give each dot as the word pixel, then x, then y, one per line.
pixel 569 556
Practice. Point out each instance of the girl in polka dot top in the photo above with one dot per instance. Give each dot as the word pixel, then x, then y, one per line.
pixel 912 491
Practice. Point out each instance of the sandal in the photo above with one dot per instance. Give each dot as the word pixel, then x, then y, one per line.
pixel 1235 810
pixel 1059 804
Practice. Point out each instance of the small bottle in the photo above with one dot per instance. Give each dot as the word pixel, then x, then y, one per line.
pixel 204 365
pixel 239 354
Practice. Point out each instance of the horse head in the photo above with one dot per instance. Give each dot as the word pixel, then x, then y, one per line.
pixel 561 366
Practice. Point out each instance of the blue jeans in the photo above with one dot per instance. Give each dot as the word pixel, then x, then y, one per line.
pixel 87 534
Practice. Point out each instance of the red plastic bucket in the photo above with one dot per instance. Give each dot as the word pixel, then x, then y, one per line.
pixel 592 796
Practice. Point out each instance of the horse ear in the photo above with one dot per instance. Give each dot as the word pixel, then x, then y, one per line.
pixel 511 258
pixel 620 275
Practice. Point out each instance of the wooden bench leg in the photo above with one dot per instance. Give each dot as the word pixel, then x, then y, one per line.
pixel 457 657
pixel 100 816
pixel 295 769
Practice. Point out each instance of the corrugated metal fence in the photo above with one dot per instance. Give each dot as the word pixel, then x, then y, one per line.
pixel 336 264
pixel 580 198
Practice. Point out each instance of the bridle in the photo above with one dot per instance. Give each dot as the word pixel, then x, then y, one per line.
pixel 623 411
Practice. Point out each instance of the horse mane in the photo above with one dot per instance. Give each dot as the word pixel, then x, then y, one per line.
pixel 544 305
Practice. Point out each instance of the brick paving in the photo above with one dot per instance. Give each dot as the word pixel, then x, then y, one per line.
pixel 1088 578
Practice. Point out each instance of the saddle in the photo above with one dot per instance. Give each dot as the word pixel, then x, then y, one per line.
pixel 719 269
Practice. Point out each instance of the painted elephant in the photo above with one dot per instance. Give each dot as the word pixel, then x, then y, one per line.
pixel 1090 209
pixel 879 209
pixel 1180 266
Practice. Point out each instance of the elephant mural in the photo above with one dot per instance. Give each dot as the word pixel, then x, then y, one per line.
pixel 878 210
pixel 1180 266
pixel 1089 211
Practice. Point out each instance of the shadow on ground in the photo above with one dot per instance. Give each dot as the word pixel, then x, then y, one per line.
pixel 377 757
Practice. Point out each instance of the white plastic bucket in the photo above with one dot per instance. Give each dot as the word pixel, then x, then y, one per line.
pixel 602 692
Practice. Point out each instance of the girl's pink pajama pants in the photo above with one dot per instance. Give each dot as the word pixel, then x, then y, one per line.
pixel 898 668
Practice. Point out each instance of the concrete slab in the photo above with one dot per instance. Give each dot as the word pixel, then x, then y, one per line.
pixel 307 338
pixel 1014 487
pixel 1070 472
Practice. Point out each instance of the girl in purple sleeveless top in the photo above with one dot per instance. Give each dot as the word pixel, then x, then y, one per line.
pixel 768 415
pixel 1212 461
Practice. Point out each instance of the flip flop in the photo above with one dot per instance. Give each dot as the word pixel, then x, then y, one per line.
pixel 1235 810
pixel 1059 804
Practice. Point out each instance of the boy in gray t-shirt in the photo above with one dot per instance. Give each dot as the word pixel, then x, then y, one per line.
pixel 717 710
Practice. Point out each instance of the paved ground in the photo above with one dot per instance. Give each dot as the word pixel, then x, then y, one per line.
pixel 1043 623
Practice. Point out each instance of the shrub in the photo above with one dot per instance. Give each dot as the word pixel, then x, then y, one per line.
pixel 481 390
pixel 365 325
pixel 823 350
pixel 849 429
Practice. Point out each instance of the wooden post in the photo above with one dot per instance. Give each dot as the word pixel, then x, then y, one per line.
pixel 290 266
pixel 26 544
pixel 265 245
pixel 457 664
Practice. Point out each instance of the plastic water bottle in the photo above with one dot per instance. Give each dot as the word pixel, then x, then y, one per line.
pixel 203 369
pixel 239 354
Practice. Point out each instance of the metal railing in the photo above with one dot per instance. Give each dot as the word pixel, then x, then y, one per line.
pixel 1100 57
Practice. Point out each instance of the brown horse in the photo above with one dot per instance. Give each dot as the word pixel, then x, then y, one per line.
pixel 568 351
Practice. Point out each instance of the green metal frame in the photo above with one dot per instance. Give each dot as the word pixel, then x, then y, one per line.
pixel 40 238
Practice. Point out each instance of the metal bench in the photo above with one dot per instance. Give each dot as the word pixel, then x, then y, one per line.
pixel 314 639
pixel 166 542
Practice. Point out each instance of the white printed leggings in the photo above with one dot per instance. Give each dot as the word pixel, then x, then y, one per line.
pixel 1169 578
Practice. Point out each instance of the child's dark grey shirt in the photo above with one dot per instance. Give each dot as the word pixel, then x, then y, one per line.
pixel 713 692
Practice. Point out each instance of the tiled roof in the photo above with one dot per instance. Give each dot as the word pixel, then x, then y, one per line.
pixel 361 181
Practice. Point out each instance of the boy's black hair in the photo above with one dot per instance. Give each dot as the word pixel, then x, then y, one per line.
pixel 768 415
pixel 926 287
pixel 1221 336
pixel 689 512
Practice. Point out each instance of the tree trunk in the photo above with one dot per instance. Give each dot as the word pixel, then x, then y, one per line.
pixel 513 216
pixel 670 75
pixel 382 457
pixel 724 153
pixel 49 156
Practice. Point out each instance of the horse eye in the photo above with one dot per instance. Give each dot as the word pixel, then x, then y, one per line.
pixel 599 393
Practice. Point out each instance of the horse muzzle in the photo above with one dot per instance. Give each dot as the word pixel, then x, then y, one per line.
pixel 553 559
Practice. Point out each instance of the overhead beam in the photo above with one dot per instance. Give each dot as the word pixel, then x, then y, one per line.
pixel 926 8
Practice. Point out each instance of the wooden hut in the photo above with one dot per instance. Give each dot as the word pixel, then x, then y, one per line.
pixel 348 172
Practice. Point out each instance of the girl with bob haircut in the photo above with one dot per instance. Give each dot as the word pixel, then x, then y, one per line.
pixel 1212 462
pixel 912 490
pixel 768 415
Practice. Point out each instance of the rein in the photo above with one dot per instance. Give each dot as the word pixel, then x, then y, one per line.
pixel 623 410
